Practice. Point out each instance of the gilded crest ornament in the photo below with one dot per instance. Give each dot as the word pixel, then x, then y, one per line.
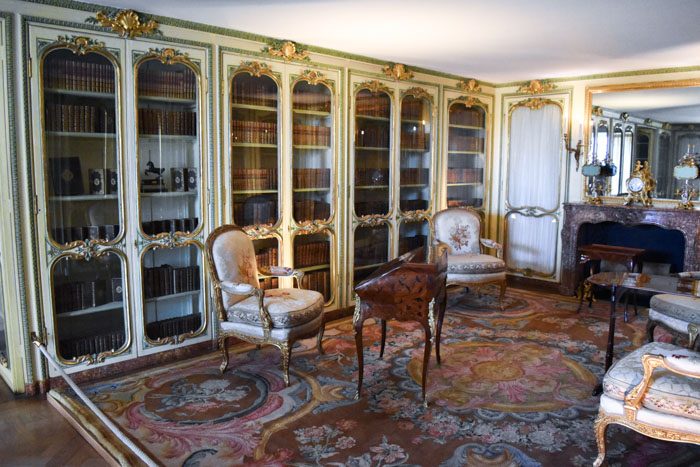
pixel 286 50
pixel 535 103
pixel 314 77
pixel 397 71
pixel 80 45
pixel 373 86
pixel 597 111
pixel 418 93
pixel 259 231
pixel 126 23
pixel 167 240
pixel 468 101
pixel 469 86
pixel 311 226
pixel 372 220
pixel 168 56
pixel 256 69
pixel 536 87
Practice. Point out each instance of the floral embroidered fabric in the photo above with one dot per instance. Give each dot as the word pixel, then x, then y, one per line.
pixel 287 307
pixel 474 264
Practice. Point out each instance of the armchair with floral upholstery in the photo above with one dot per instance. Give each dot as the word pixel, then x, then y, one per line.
pixel 467 265
pixel 655 391
pixel 277 317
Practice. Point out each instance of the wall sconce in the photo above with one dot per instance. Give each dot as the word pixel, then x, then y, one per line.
pixel 577 151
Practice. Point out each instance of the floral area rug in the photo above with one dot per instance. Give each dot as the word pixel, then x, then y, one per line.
pixel 514 389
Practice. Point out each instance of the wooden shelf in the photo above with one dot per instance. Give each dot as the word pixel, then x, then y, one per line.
pixel 307 190
pixel 368 266
pixel 169 100
pixel 372 187
pixel 253 145
pixel 310 147
pixel 77 134
pixel 169 194
pixel 474 153
pixel 415 122
pixel 370 148
pixel 370 117
pixel 91 310
pixel 150 137
pixel 466 127
pixel 414 150
pixel 318 113
pixel 252 192
pixel 315 267
pixel 414 185
pixel 465 184
pixel 172 296
pixel 84 197
pixel 72 92
pixel 264 108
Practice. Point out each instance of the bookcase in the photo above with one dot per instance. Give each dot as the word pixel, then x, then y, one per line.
pixel 392 170
pixel 281 166
pixel 120 140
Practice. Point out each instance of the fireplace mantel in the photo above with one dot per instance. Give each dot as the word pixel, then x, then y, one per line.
pixel 577 214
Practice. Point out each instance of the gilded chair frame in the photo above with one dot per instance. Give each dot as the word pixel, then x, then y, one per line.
pixel 632 403
pixel 284 345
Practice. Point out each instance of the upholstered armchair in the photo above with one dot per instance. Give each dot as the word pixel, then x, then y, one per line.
pixel 467 265
pixel 277 317
pixel 676 313
pixel 655 391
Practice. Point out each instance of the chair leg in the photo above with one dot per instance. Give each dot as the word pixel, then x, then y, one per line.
pixel 601 425
pixel 319 338
pixel 502 295
pixel 383 341
pixel 693 332
pixel 651 325
pixel 286 351
pixel 224 353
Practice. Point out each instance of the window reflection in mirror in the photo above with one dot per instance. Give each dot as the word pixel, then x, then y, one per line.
pixel 616 157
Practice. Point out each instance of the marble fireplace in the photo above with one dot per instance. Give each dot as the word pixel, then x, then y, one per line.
pixel 582 222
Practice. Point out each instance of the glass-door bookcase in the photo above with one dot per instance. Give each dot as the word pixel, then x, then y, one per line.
pixel 466 152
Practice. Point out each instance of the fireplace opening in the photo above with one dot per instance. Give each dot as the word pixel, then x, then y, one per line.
pixel 663 246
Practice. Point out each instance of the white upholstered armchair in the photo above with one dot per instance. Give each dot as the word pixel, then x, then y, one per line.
pixel 676 313
pixel 467 265
pixel 277 317
pixel 655 391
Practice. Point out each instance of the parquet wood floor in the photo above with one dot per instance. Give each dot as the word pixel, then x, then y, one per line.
pixel 33 433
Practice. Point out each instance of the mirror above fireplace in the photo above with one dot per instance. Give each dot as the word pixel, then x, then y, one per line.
pixel 658 122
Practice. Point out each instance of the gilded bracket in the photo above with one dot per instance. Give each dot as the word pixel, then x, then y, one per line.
pixel 169 56
pixel 80 45
pixel 286 50
pixel 357 314
pixel 397 71
pixel 372 220
pixel 469 101
pixel 536 87
pixel 259 231
pixel 314 77
pixel 126 23
pixel 469 86
pixel 310 227
pixel 535 103
pixel 414 216
pixel 373 86
pixel 418 93
pixel 256 69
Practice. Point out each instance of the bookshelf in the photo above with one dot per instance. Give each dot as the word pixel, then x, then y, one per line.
pixel 415 160
pixel 466 156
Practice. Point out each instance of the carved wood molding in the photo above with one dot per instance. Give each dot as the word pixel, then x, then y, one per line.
pixel 126 23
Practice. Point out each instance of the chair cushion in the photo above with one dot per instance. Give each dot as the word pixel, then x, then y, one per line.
pixel 680 307
pixel 287 308
pixel 668 393
pixel 474 264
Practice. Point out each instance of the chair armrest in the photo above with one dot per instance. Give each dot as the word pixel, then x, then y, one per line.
pixel 488 243
pixel 281 271
pixel 237 288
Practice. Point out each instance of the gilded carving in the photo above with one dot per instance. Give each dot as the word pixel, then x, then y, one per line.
pixel 469 86
pixel 536 87
pixel 372 220
pixel 314 77
pixel 256 69
pixel 414 216
pixel 373 86
pixel 469 101
pixel 286 50
pixel 80 45
pixel 535 103
pixel 169 56
pixel 357 314
pixel 597 111
pixel 126 23
pixel 397 71
pixel 418 93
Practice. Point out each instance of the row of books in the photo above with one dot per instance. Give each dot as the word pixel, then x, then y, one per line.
pixel 165 280
pixel 311 135
pixel 179 84
pixel 64 235
pixel 311 178
pixel 372 136
pixel 466 117
pixel 413 109
pixel 79 118
pixel 373 105
pixel 465 143
pixel 254 179
pixel 320 281
pixel 371 176
pixel 269 283
pixel 73 296
pixel 244 131
pixel 461 175
pixel 266 257
pixel 187 225
pixel 311 253
pixel 74 75
pixel 413 139
pixel 464 202
pixel 254 92
pixel 413 204
pixel 312 101
pixel 254 211
pixel 414 176
pixel 174 326
pixel 91 345
pixel 371 252
pixel 309 209
pixel 411 243
pixel 167 122
pixel 365 208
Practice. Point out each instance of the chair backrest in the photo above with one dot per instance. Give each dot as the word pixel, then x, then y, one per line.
pixel 232 258
pixel 460 229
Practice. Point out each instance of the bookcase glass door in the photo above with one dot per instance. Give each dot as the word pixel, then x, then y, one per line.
pixel 80 146
pixel 169 147
pixel 371 249
pixel 413 235
pixel 465 155
pixel 372 152
pixel 415 161
pixel 172 298
pixel 312 166
pixel 89 307
pixel 267 252
pixel 254 149
pixel 312 254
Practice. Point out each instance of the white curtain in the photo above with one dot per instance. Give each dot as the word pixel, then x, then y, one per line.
pixel 534 177
pixel 534 162
pixel 532 243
